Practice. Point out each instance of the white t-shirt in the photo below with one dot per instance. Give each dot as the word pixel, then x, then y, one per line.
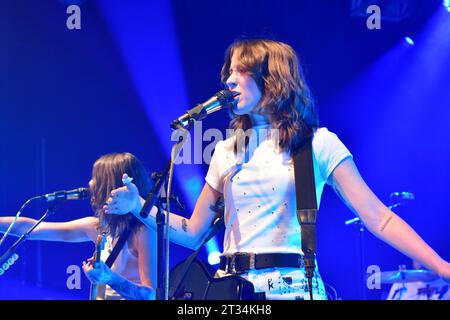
pixel 260 200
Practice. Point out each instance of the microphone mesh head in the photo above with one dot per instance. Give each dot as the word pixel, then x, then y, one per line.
pixel 83 193
pixel 225 97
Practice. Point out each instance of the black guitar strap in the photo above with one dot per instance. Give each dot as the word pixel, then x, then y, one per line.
pixel 115 252
pixel 306 214
pixel 120 243
pixel 305 189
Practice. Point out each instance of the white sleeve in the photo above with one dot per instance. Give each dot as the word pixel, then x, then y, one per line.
pixel 329 151
pixel 214 176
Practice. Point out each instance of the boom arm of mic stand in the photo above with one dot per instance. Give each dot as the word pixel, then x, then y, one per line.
pixel 153 195
pixel 9 257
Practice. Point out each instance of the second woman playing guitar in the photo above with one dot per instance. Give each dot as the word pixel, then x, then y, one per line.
pixel 133 274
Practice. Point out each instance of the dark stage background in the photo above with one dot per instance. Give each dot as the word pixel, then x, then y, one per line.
pixel 70 96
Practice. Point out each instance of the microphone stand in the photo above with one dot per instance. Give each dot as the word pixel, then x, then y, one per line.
pixel 9 257
pixel 184 123
pixel 361 227
pixel 160 250
pixel 154 199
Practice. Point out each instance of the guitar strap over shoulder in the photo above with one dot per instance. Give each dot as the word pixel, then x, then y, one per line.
pixel 306 213
pixel 305 189
pixel 120 243
pixel 100 291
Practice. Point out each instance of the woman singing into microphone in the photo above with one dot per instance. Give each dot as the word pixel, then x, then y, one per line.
pixel 258 183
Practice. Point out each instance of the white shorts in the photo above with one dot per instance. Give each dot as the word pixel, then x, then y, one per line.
pixel 283 283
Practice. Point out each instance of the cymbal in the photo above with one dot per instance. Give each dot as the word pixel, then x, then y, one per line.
pixel 402 276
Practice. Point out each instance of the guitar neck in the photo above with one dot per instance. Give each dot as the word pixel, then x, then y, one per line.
pixel 93 292
pixel 96 263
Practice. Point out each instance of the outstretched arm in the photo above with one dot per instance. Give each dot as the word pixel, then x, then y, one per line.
pixel 381 221
pixel 183 231
pixel 80 230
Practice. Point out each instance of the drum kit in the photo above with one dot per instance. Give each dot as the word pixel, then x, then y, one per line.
pixel 407 276
pixel 415 284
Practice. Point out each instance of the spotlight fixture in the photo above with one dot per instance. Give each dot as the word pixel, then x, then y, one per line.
pixel 409 41
pixel 446 4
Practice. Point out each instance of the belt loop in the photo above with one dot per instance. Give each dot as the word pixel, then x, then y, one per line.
pixel 301 261
pixel 252 258
pixel 225 259
pixel 233 264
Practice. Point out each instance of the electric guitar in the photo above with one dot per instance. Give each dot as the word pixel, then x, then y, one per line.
pixel 197 283
pixel 99 246
pixel 191 279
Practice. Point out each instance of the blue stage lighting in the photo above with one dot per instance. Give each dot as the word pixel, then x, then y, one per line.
pixel 446 4
pixel 409 41
pixel 214 258
pixel 194 186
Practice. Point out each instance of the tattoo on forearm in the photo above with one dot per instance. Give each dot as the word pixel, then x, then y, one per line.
pixel 129 290
pixel 386 223
pixel 184 225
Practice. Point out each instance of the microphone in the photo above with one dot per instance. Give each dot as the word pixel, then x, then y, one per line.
pixel 401 196
pixel 75 194
pixel 215 103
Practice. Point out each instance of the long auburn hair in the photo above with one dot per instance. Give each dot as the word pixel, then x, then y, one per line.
pixel 106 176
pixel 286 98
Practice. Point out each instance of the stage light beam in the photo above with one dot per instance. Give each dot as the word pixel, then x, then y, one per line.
pixel 446 4
pixel 214 258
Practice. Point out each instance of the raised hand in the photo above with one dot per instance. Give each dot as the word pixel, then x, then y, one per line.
pixel 124 199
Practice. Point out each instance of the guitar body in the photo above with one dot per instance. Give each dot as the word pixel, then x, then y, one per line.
pixel 199 284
